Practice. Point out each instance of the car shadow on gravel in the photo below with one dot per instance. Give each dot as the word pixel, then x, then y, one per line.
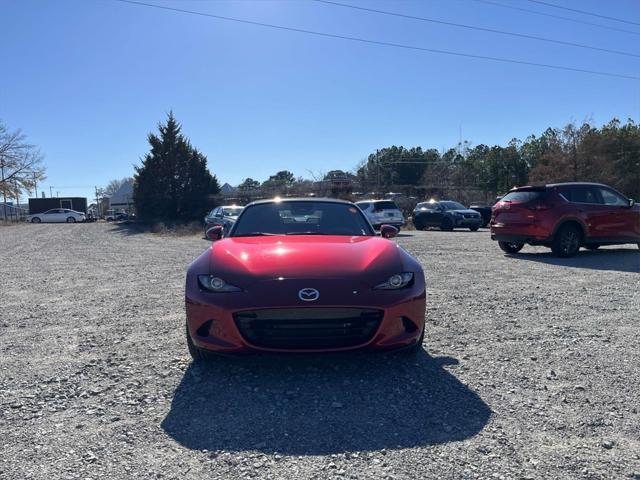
pixel 301 405
pixel 620 260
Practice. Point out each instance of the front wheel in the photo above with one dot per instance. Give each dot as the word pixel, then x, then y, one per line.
pixel 446 225
pixel 510 247
pixel 474 229
pixel 35 220
pixel 197 354
pixel 71 220
pixel 566 241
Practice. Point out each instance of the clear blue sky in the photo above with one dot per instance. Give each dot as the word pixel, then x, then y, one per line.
pixel 86 80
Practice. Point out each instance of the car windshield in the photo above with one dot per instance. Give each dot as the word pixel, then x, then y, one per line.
pixel 301 218
pixel 453 206
pixel 232 211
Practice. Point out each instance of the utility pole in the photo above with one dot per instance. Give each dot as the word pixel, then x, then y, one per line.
pixel 4 191
pixel 17 192
pixel 35 184
pixel 50 191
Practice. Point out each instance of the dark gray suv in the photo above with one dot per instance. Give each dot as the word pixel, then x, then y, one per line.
pixel 446 215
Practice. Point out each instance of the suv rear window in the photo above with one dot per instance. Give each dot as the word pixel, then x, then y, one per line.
pixel 386 205
pixel 524 196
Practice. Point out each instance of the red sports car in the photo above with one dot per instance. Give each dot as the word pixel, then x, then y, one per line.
pixel 303 275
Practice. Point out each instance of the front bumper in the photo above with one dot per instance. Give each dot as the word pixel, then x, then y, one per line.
pixel 467 222
pixel 212 326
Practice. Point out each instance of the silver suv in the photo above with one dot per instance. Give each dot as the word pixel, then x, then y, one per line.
pixel 382 212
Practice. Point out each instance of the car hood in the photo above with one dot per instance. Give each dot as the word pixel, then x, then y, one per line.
pixel 305 256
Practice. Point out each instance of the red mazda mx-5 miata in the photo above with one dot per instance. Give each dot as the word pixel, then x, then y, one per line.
pixel 303 275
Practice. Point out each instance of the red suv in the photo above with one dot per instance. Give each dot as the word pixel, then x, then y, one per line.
pixel 565 216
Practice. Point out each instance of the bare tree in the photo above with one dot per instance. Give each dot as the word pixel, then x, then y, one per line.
pixel 20 164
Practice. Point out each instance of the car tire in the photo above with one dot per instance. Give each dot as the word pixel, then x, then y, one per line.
pixel 566 242
pixel 197 354
pixel 35 220
pixel 71 220
pixel 474 229
pixel 510 247
pixel 446 225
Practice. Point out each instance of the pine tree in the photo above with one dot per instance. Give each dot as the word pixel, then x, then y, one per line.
pixel 173 181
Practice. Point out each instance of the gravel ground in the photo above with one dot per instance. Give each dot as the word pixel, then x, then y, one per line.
pixel 531 369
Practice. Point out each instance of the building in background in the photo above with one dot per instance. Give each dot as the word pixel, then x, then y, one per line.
pixel 227 190
pixel 122 199
pixel 40 205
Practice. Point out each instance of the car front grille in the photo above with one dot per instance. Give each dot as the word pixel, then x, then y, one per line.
pixel 308 328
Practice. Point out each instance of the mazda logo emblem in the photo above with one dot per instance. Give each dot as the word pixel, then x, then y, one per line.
pixel 308 294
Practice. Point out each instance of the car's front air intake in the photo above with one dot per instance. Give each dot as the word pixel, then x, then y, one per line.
pixel 308 328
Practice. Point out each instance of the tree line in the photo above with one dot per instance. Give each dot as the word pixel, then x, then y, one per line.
pixel 609 154
pixel 174 183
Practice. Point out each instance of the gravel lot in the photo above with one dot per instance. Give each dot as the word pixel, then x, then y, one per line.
pixel 531 370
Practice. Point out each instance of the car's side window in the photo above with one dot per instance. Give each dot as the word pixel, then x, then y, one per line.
pixel 363 206
pixel 583 194
pixel 612 198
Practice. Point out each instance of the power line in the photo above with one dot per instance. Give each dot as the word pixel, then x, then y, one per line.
pixel 473 27
pixel 382 43
pixel 560 17
pixel 584 12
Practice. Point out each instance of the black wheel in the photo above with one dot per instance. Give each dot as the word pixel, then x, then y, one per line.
pixel 510 247
pixel 592 247
pixel 566 241
pixel 35 220
pixel 197 354
pixel 71 220
pixel 474 229
pixel 446 225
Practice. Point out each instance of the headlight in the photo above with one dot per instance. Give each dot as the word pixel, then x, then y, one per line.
pixel 216 284
pixel 397 281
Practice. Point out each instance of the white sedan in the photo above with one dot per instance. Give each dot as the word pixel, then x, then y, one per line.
pixel 57 215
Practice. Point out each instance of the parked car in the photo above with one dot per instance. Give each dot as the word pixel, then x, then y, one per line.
pixel 224 216
pixel 382 212
pixel 484 211
pixel 118 217
pixel 445 214
pixel 303 275
pixel 565 217
pixel 57 215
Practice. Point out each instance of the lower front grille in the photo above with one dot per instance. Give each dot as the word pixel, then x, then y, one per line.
pixel 308 328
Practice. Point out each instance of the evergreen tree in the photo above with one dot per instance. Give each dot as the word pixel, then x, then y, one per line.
pixel 173 182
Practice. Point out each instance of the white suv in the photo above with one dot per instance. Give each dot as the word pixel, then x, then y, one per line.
pixel 382 212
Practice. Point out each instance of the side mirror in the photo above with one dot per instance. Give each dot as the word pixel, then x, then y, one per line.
pixel 632 202
pixel 388 231
pixel 214 233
